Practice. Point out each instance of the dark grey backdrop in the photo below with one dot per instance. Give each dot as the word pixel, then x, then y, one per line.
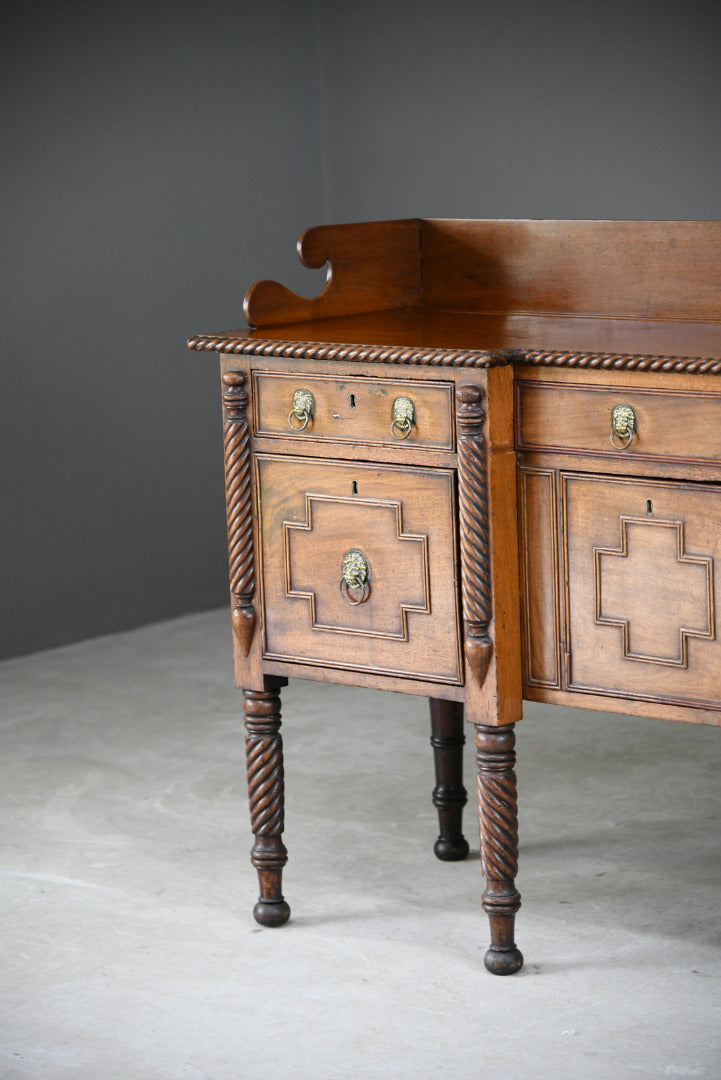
pixel 158 158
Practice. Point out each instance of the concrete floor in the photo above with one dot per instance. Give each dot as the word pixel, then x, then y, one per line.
pixel 128 948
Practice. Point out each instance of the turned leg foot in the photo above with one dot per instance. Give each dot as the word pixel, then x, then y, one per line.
pixel 264 753
pixel 498 820
pixel 449 794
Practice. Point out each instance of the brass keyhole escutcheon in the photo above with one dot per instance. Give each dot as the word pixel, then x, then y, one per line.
pixel 302 409
pixel 403 415
pixel 355 577
pixel 623 426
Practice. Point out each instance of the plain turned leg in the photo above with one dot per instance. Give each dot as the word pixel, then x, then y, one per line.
pixel 498 820
pixel 264 752
pixel 449 794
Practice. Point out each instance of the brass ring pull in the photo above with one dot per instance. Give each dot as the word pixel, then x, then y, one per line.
pixel 403 415
pixel 624 445
pixel 302 410
pixel 623 426
pixel 355 577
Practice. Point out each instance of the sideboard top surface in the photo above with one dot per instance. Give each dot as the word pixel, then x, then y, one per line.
pixel 498 291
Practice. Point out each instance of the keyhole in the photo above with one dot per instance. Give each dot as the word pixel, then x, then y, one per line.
pixel 354 487
pixel 649 506
pixel 351 398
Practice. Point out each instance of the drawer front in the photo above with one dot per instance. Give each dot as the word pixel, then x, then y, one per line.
pixel 668 424
pixel 643 576
pixel 403 619
pixel 354 410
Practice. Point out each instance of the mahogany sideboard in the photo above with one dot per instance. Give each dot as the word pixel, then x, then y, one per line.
pixel 483 466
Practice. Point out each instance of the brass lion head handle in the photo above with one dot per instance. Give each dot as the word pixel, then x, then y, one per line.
pixel 623 426
pixel 355 577
pixel 403 415
pixel 302 409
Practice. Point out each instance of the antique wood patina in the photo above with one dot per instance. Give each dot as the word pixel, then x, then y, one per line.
pixel 482 465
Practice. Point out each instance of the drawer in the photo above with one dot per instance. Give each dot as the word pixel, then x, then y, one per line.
pixel 403 619
pixel 354 410
pixel 669 424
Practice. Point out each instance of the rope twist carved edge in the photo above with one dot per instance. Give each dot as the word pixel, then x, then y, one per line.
pixel 239 507
pixel 314 350
pixel 473 358
pixel 620 362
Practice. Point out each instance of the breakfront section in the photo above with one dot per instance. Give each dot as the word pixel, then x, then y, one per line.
pixel 355 483
pixel 620 517
pixel 363 501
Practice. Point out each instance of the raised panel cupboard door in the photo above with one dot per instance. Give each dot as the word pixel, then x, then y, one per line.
pixel 642 568
pixel 397 523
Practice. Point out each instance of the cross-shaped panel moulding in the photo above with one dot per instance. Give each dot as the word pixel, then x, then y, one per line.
pixel 654 591
pixel 399 580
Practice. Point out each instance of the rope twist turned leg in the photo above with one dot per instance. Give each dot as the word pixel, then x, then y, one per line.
pixel 264 753
pixel 498 822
